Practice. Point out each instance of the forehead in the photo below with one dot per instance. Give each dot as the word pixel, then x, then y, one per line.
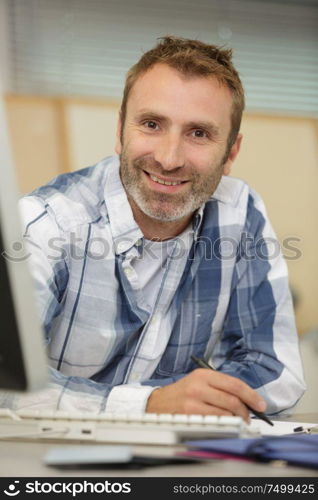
pixel 166 91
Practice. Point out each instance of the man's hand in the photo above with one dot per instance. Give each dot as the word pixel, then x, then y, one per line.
pixel 206 392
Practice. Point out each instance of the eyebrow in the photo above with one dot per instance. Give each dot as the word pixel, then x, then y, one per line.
pixel 206 125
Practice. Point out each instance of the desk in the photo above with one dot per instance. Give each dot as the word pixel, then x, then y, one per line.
pixel 25 459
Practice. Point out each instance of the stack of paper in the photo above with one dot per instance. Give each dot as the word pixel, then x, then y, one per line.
pixel 279 428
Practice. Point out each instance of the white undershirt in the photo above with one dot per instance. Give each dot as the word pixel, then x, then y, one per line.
pixel 151 265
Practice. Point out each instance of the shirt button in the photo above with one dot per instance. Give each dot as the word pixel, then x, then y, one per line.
pixel 128 272
pixel 155 320
pixel 138 243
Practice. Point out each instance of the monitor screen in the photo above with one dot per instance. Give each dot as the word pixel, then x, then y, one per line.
pixel 12 367
pixel 23 365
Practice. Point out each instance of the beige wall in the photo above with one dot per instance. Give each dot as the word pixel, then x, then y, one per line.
pixel 91 127
pixel 37 137
pixel 278 159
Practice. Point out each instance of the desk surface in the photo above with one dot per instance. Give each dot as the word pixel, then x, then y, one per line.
pixel 25 459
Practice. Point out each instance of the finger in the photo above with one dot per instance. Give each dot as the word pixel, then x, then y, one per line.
pixel 236 387
pixel 200 391
pixel 226 402
pixel 196 407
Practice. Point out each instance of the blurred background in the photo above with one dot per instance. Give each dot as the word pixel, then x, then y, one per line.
pixel 63 65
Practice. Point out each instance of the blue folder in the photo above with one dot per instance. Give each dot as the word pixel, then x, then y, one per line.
pixel 296 450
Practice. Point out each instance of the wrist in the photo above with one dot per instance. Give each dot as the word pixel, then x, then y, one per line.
pixel 152 403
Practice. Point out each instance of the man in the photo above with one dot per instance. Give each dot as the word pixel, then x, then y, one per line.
pixel 155 255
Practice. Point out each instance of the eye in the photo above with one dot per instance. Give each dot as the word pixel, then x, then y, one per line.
pixel 151 124
pixel 199 133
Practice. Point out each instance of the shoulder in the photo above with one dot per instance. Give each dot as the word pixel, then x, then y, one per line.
pixel 239 204
pixel 238 194
pixel 70 199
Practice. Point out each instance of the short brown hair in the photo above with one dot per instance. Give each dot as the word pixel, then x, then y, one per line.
pixel 192 58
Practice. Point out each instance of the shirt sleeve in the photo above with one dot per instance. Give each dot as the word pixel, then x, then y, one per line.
pixel 260 342
pixel 50 273
pixel 80 394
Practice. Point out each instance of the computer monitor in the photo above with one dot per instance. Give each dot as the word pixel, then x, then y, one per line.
pixel 23 365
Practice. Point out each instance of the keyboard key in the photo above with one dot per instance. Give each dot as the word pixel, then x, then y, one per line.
pixel 210 419
pixel 164 417
pixel 150 417
pixel 196 419
pixel 180 418
pixel 134 417
pixel 225 420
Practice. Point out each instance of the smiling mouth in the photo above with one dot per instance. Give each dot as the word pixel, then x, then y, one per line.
pixel 163 182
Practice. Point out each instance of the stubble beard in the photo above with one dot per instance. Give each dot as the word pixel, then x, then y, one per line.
pixel 167 207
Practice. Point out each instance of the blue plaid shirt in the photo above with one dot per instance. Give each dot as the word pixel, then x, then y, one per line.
pixel 224 297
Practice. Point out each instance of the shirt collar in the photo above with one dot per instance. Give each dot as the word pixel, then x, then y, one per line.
pixel 228 191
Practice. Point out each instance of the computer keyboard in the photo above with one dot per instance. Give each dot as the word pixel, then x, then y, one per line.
pixel 142 428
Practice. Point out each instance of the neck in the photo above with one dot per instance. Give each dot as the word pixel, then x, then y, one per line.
pixel 158 230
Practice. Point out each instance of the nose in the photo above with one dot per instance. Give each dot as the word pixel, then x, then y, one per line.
pixel 169 152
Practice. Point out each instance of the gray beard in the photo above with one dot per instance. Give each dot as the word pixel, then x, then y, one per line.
pixel 163 206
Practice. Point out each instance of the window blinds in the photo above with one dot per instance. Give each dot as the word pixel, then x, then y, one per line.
pixel 84 48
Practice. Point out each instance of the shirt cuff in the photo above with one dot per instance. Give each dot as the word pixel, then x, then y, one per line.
pixel 128 398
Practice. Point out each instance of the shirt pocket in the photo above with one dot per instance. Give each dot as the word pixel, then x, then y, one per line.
pixel 177 359
pixel 190 335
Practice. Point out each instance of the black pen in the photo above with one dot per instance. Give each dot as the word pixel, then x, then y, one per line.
pixel 203 364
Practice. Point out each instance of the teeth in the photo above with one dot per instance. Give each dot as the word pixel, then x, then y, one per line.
pixel 166 183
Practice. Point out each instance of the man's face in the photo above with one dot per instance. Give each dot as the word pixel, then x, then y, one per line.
pixel 174 142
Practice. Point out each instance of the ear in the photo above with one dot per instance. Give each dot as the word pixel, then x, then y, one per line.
pixel 232 155
pixel 118 146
